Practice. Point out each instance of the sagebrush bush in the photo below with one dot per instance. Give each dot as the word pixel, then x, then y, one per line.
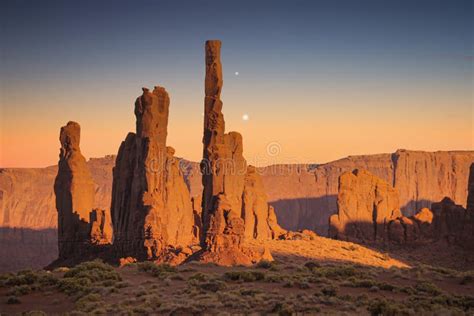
pixel 244 276
pixel 156 270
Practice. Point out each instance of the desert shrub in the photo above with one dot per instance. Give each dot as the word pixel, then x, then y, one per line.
pixel 282 309
pixel 311 265
pixel 47 279
pixel 249 292
pixel 428 287
pixel 264 264
pixel 302 285
pixel 89 302
pixel 244 276
pixel 13 300
pixel 365 283
pixel 274 278
pixel 382 307
pixel 201 277
pixel 156 270
pixel 73 286
pixel 212 286
pixel 95 271
pixel 19 290
pixel 329 290
pixel 386 286
pixel 26 277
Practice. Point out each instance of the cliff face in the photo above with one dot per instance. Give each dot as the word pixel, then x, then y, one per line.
pixel 304 197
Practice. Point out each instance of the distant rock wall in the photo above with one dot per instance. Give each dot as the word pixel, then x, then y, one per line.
pixel 303 196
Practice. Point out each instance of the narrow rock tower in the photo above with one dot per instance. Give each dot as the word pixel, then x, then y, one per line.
pixel 234 205
pixel 79 225
pixel 151 207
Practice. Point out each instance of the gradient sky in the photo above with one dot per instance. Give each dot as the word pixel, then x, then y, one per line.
pixel 322 79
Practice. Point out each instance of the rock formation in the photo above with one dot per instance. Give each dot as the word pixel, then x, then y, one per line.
pixel 304 196
pixel 80 227
pixel 151 207
pixel 234 205
pixel 446 222
pixel 365 205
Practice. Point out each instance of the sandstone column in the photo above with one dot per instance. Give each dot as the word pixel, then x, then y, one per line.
pixel 151 208
pixel 234 205
pixel 79 225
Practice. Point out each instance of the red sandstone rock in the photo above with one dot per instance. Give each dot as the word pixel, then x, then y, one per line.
pixel 151 207
pixel 234 205
pixel 79 226
pixel 366 204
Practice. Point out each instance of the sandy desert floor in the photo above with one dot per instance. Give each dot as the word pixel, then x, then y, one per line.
pixel 321 276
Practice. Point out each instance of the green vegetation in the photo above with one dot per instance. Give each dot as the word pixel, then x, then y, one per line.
pixel 157 270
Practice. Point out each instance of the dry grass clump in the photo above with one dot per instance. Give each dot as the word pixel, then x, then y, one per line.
pixel 161 271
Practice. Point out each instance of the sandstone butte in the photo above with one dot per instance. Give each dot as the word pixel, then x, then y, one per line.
pixel 369 212
pixel 82 229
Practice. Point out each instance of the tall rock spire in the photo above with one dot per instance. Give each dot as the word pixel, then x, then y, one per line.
pixel 225 179
pixel 79 225
pixel 151 207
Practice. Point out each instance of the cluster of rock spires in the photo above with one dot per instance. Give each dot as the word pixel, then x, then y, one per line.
pixel 154 218
pixel 152 214
pixel 369 211
pixel 234 203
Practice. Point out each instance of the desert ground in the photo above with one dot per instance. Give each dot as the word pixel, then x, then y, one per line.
pixel 320 276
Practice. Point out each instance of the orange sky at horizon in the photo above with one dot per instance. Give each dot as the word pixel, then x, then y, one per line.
pixel 322 134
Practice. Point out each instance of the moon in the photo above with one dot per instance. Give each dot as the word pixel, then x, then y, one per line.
pixel 236 73
pixel 245 117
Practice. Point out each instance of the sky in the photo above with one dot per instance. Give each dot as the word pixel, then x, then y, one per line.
pixel 305 81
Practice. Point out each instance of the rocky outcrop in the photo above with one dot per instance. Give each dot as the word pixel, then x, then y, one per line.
pixel 365 205
pixel 304 196
pixel 151 207
pixel 234 205
pixel 445 222
pixel 80 226
pixel 259 217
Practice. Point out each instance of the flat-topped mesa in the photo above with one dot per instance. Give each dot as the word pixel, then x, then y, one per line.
pixel 151 207
pixel 227 221
pixel 365 205
pixel 80 226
